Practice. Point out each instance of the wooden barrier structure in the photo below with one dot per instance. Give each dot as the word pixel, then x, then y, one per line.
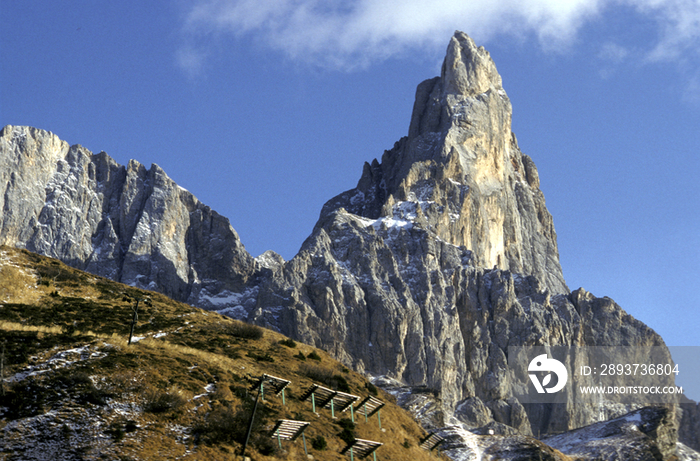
pixel 431 441
pixel 370 406
pixel 286 429
pixel 278 386
pixel 323 397
pixel 362 448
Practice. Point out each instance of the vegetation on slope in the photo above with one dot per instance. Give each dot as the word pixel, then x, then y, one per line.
pixel 72 388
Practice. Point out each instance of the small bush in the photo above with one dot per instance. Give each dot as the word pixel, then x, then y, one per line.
pixel 266 357
pixel 245 331
pixel 371 388
pixel 316 373
pixel 325 376
pixel 164 402
pixel 130 426
pixel 314 356
pixel 288 343
pixel 300 356
pixel 224 425
pixel 347 434
pixel 319 443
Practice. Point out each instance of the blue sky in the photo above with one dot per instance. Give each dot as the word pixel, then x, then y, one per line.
pixel 265 110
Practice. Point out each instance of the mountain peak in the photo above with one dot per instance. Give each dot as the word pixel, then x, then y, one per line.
pixel 467 69
pixel 461 169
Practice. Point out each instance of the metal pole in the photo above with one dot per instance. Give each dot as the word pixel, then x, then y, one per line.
pixel 332 410
pixel 365 412
pixel 283 402
pixel 303 437
pixel 279 441
pixel 352 457
pixel 352 413
pixel 379 418
pixel 250 424
pixel 374 454
pixel 313 402
pixel 262 389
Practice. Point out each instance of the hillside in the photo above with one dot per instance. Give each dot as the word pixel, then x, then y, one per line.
pixel 74 389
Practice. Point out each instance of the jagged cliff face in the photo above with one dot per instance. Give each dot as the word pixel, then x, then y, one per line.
pixel 460 175
pixel 442 256
pixel 131 224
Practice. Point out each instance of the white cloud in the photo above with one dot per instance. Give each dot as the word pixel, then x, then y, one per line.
pixel 342 34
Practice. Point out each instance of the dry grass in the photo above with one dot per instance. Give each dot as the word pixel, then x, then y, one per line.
pixel 13 326
pixel 17 285
pixel 198 375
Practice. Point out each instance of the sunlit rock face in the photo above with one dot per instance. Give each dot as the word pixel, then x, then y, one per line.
pixel 129 223
pixel 418 272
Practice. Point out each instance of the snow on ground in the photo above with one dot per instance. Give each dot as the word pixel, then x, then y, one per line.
pixel 59 360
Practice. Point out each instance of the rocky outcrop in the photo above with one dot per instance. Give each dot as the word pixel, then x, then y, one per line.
pixel 645 434
pixel 131 224
pixel 689 423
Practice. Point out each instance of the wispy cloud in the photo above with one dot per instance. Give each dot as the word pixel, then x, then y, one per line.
pixel 191 60
pixel 346 35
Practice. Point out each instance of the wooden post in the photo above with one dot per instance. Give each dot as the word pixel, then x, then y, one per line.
pixel 134 320
pixel 2 369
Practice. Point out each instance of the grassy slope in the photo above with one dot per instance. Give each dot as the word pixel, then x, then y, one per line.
pixel 74 389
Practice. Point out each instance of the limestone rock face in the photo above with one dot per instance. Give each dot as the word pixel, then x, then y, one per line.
pixel 131 224
pixel 460 175
pixel 442 256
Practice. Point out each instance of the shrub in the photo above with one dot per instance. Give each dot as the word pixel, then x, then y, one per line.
pixel 314 356
pixel 319 443
pixel 347 434
pixel 371 388
pixel 266 357
pixel 224 425
pixel 325 376
pixel 163 402
pixel 245 330
pixel 288 343
pixel 300 356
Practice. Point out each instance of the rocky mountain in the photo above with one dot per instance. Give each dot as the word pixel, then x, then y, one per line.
pixel 131 224
pixel 422 276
